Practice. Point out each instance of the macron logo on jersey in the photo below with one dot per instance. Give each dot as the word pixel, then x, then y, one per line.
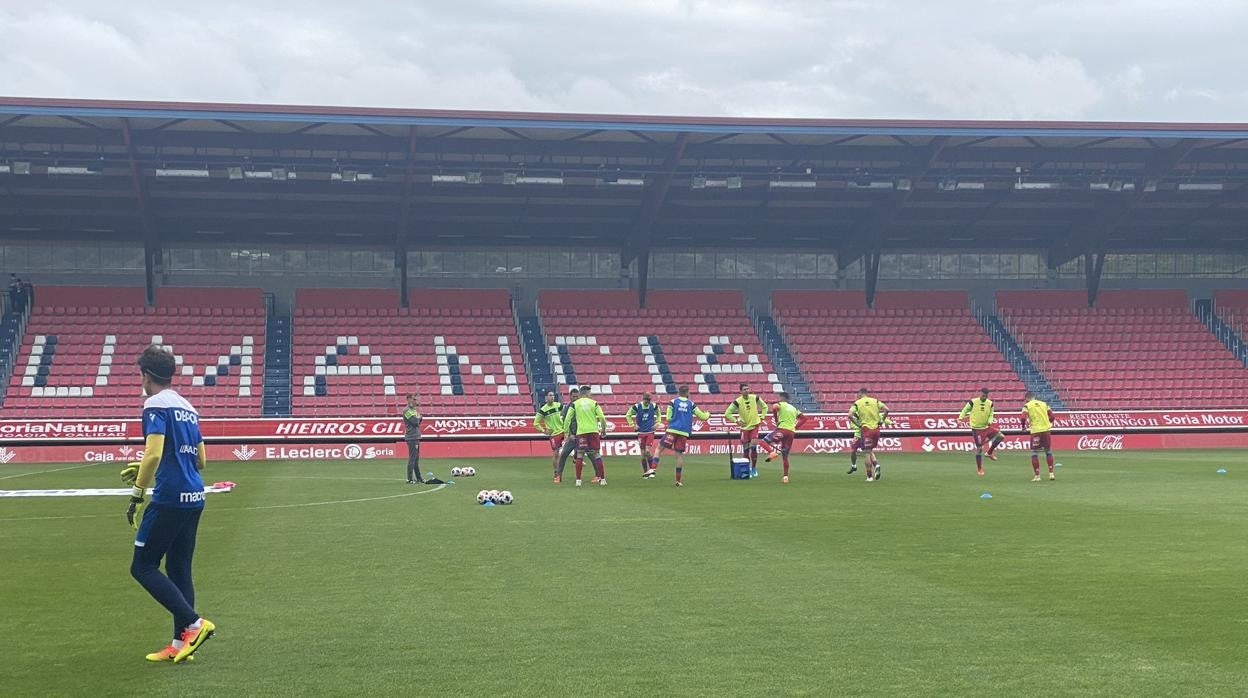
pixel 178 482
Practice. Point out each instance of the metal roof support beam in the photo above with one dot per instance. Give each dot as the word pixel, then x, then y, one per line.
pixel 1111 216
pixel 652 203
pixel 1062 253
pixel 873 276
pixel 152 251
pixel 926 160
pixel 405 209
pixel 1093 265
pixel 847 254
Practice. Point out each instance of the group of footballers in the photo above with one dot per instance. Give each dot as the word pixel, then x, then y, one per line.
pixel 576 430
pixel 1037 420
pixel 166 524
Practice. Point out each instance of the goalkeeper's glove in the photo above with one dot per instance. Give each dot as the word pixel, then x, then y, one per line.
pixel 888 422
pixel 130 473
pixel 138 503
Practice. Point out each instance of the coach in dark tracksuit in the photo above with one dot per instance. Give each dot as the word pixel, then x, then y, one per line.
pixel 411 434
pixel 569 444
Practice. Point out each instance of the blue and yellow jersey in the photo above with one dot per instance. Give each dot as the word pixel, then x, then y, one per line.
pixel 643 418
pixel 178 483
pixel 680 415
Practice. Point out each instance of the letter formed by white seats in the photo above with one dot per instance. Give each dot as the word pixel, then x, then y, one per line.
pixel 742 371
pixel 506 385
pixel 245 351
pixel 102 372
pixel 562 372
pixel 320 366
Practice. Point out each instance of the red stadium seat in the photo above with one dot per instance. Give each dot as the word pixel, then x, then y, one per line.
pixel 105 381
pixel 903 352
pixel 403 345
pixel 1140 349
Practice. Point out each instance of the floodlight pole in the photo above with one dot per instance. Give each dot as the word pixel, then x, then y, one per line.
pixel 152 250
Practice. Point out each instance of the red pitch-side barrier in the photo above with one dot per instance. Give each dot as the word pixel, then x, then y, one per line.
pixel 623 447
pixel 54 441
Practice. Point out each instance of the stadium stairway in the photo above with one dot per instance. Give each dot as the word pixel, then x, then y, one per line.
pixel 1018 359
pixel 661 370
pixel 534 340
pixel 1208 316
pixel 277 366
pixel 12 329
pixel 784 363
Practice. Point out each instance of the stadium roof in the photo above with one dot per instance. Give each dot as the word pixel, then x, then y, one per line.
pixel 213 173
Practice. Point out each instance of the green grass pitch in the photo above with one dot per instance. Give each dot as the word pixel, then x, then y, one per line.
pixel 1124 577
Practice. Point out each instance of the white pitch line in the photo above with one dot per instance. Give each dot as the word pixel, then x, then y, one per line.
pixel 268 506
pixel 344 501
pixel 54 470
pixel 331 477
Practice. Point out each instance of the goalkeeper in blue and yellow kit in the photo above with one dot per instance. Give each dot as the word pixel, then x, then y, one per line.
pixel 166 526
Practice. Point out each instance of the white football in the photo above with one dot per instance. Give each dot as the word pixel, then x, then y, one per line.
pixel 483 497
pixel 494 494
pixel 505 497
pixel 472 472
pixel 456 472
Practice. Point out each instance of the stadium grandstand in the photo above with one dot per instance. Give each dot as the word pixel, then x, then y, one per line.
pixel 317 261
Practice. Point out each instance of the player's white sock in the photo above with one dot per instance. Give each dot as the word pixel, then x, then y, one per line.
pixel 178 644
pixel 199 623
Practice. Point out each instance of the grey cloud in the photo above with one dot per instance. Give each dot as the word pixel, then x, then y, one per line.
pixel 1097 59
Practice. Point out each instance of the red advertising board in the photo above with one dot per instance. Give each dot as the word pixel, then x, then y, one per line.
pixel 1014 446
pixel 383 429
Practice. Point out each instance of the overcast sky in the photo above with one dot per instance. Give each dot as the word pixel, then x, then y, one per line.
pixel 1037 59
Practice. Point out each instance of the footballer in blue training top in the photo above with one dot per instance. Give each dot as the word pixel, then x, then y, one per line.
pixel 680 417
pixel 167 525
pixel 644 417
